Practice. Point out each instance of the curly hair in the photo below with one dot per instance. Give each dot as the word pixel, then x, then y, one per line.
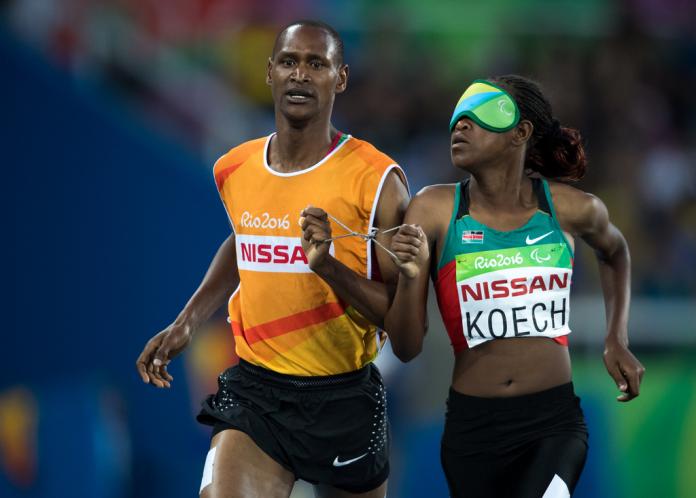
pixel 554 151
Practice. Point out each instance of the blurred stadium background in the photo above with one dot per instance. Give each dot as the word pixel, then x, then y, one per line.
pixel 113 113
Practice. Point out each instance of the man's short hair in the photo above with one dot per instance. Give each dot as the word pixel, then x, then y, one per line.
pixel 314 24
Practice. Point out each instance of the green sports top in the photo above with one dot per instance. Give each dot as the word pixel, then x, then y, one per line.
pixel 492 284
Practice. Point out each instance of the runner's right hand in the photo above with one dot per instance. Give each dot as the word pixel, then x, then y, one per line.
pixel 410 245
pixel 159 351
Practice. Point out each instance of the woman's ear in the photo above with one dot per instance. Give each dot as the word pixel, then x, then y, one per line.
pixel 522 132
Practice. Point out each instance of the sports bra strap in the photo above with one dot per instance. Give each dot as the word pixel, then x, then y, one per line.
pixel 538 188
pixel 463 208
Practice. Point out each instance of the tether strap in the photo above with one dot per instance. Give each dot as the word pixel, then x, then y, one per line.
pixel 371 235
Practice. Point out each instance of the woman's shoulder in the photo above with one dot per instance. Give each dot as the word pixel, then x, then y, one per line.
pixel 434 193
pixel 433 202
pixel 575 207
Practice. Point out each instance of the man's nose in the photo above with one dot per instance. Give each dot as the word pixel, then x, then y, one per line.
pixel 300 73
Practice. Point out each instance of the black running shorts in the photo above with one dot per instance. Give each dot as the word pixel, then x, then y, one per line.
pixel 523 447
pixel 326 430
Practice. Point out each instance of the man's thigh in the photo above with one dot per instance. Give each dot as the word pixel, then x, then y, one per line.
pixel 237 468
pixel 323 491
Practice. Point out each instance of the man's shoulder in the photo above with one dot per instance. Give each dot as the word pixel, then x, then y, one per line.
pixel 230 161
pixel 240 153
pixel 370 155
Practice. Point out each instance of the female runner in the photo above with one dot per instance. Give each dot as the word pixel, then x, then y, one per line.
pixel 499 246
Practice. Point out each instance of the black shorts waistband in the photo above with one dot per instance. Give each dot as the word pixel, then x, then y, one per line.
pixel 459 400
pixel 300 382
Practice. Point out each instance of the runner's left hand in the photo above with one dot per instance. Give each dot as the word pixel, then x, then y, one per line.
pixel 315 230
pixel 624 368
pixel 410 245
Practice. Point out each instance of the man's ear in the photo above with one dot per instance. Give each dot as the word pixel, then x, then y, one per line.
pixel 269 80
pixel 522 132
pixel 342 82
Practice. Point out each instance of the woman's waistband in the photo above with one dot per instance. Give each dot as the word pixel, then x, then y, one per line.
pixel 561 392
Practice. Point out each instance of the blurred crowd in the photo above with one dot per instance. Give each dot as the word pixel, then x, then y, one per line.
pixel 623 72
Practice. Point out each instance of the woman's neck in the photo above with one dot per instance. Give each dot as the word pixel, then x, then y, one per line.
pixel 501 187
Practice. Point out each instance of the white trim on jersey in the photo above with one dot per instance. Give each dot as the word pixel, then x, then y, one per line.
pixel 373 211
pixel 301 172
pixel 234 292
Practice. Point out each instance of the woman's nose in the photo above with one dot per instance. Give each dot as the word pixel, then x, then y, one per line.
pixel 463 124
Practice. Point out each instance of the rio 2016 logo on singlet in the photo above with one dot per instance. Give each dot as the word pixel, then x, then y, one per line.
pixel 264 220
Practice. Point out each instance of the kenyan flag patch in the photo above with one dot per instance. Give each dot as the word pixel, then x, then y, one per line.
pixel 472 237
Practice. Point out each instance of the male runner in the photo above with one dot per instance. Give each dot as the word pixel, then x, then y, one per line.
pixel 305 401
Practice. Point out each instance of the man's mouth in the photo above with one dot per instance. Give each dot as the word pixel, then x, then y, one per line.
pixel 298 95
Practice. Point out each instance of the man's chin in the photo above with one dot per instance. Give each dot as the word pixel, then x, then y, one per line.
pixel 298 113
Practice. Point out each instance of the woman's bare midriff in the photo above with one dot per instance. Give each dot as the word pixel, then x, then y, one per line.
pixel 511 367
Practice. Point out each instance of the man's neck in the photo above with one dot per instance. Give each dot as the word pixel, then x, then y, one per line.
pixel 298 146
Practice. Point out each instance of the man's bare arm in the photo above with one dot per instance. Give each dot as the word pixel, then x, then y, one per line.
pixel 218 283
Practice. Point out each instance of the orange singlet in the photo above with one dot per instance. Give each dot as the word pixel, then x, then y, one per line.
pixel 285 317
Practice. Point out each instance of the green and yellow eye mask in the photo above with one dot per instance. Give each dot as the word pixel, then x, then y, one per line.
pixel 488 106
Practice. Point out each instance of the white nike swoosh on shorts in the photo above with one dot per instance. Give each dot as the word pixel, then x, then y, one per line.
pixel 338 463
pixel 536 239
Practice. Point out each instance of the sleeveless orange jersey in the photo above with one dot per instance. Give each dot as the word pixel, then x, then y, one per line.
pixel 284 317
